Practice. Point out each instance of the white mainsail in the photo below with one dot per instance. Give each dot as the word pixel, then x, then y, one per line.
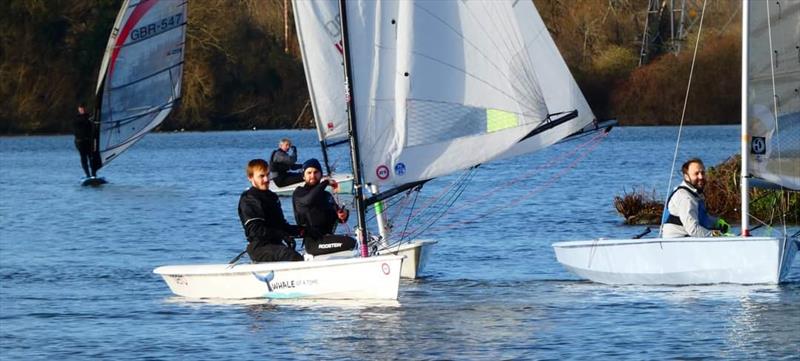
pixel 140 76
pixel 320 37
pixel 442 86
pixel 773 92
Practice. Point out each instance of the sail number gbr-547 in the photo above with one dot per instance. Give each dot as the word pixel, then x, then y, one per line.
pixel 157 27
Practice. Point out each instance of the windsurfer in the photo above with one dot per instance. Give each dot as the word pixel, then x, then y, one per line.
pixel 282 162
pixel 270 238
pixel 317 212
pixel 84 140
pixel 686 215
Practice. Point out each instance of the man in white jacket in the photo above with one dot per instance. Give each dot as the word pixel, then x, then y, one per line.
pixel 685 215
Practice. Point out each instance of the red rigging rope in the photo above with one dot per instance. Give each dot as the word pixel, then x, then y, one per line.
pixel 584 148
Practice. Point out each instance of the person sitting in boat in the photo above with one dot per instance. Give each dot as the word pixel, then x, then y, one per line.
pixel 317 212
pixel 269 237
pixel 685 214
pixel 84 140
pixel 282 162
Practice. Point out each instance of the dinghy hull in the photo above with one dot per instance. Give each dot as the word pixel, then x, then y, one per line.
pixel 679 261
pixel 353 278
pixel 416 253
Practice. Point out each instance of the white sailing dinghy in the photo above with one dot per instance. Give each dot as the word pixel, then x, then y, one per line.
pixel 419 107
pixel 140 76
pixel 770 154
pixel 440 87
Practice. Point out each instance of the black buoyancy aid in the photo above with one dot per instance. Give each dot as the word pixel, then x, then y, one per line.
pixel 671 219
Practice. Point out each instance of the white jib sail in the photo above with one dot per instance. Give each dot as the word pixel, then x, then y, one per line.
pixel 441 86
pixel 140 77
pixel 774 92
pixel 320 36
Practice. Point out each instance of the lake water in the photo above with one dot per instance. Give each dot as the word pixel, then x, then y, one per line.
pixel 76 263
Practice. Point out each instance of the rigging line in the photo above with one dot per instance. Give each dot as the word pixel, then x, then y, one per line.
pixel 467 41
pixel 440 211
pixel 775 107
pixel 683 114
pixel 447 190
pixel 405 227
pixel 520 46
pixel 532 85
pixel 553 161
pixel 534 191
pixel 440 215
pixel 478 50
pixel 434 212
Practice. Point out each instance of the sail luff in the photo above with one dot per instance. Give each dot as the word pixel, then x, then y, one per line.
pixel 354 150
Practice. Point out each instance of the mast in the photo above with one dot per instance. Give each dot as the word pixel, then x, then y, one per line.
pixel 745 138
pixel 355 155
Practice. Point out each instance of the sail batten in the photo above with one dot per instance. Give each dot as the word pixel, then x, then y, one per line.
pixel 141 73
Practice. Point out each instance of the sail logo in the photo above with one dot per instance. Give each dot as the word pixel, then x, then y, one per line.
pixel 385 269
pixel 382 172
pixel 758 145
pixel 158 27
pixel 400 169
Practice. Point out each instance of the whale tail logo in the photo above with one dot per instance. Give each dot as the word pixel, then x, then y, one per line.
pixel 266 278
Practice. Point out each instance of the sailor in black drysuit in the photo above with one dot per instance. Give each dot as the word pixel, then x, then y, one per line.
pixel 269 237
pixel 282 162
pixel 317 212
pixel 84 140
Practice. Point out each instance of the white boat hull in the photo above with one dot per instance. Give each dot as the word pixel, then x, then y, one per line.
pixel 416 253
pixel 679 261
pixel 352 278
pixel 345 186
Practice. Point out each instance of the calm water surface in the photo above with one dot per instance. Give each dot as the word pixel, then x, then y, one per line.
pixel 76 263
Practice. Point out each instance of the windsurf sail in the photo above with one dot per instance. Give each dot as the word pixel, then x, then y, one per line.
pixel 140 76
pixel 773 92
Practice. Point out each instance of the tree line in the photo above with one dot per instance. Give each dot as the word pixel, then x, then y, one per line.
pixel 242 71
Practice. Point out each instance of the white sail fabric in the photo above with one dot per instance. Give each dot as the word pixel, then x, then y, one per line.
pixel 320 36
pixel 140 77
pixel 444 85
pixel 774 133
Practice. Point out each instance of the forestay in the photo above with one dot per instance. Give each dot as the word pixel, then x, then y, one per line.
pixel 140 77
pixel 441 86
pixel 774 106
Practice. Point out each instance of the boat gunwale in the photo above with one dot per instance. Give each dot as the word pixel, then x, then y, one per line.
pixel 627 242
pixel 213 269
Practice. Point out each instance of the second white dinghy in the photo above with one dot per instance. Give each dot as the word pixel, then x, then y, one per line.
pixel 770 143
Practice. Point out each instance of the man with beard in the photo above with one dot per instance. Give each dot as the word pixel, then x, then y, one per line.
pixel 317 212
pixel 685 214
pixel 269 237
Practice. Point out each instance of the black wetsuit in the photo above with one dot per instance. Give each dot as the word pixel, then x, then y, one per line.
pixel 280 165
pixel 265 227
pixel 315 210
pixel 84 141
